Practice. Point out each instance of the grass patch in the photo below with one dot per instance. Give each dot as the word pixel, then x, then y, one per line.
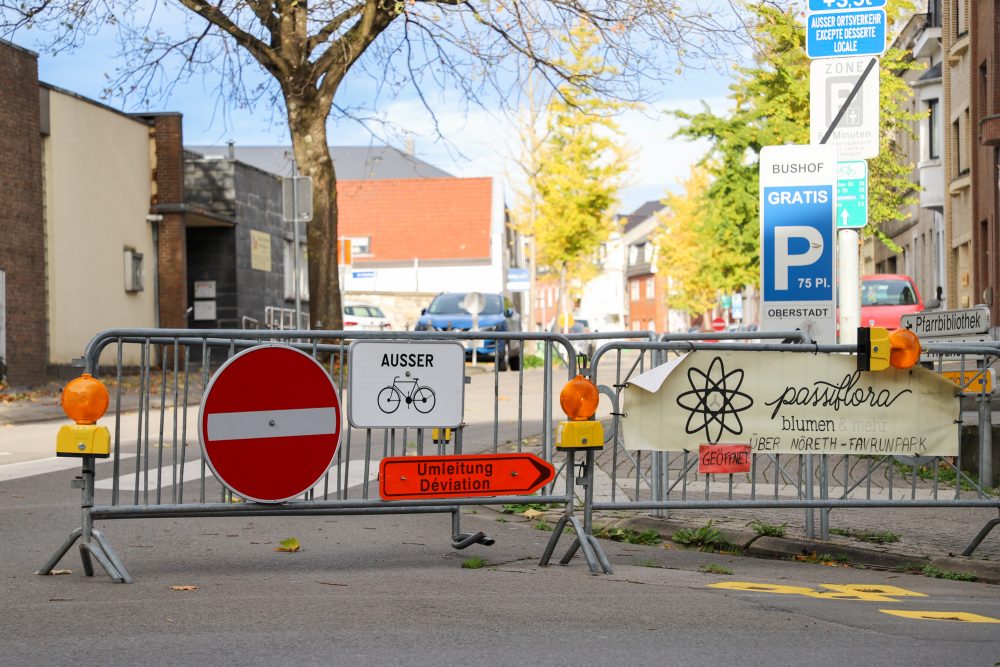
pixel 768 529
pixel 521 508
pixel 874 537
pixel 646 562
pixel 474 563
pixel 946 475
pixel 628 535
pixel 935 573
pixel 532 362
pixel 705 538
pixel 712 568
pixel 542 525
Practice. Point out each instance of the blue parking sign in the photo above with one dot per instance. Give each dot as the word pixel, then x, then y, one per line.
pixel 798 243
pixel 798 190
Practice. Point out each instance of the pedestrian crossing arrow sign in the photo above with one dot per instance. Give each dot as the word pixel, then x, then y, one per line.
pixel 852 194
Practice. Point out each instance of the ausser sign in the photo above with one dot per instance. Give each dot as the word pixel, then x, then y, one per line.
pixel 852 33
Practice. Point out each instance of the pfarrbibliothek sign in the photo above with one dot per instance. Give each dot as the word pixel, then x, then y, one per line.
pixel 781 403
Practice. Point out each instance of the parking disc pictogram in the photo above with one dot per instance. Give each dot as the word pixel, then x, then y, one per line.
pixel 270 423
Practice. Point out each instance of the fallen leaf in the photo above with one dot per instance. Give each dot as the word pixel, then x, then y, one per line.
pixel 55 572
pixel 531 513
pixel 290 545
pixel 183 588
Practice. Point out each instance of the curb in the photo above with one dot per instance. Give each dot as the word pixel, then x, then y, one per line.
pixel 785 547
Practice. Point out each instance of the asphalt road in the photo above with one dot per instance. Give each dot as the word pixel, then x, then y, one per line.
pixel 382 590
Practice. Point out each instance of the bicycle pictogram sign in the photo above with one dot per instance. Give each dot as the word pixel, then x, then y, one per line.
pixel 406 390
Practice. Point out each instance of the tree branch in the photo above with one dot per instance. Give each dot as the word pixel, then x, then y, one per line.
pixel 328 30
pixel 336 60
pixel 269 59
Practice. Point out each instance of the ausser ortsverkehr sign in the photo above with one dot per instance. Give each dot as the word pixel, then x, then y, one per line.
pixel 849 33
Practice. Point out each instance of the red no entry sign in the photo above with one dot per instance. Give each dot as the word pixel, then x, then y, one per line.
pixel 718 324
pixel 270 423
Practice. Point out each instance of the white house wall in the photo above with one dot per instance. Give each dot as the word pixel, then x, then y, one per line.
pixel 97 194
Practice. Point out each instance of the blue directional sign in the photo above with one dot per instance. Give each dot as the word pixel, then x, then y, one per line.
pixel 840 34
pixel 833 5
pixel 852 194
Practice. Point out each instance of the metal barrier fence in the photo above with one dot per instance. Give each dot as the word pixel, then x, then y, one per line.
pixel 156 470
pixel 662 481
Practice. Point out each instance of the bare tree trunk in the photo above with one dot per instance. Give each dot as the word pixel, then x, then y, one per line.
pixel 307 121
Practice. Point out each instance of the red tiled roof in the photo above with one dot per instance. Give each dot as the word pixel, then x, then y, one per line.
pixel 427 218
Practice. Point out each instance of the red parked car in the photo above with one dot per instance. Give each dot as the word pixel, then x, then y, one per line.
pixel 886 297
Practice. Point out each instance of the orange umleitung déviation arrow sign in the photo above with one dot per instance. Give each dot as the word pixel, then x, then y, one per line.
pixel 416 477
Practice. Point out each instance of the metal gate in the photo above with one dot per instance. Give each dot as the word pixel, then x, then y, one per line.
pixel 663 481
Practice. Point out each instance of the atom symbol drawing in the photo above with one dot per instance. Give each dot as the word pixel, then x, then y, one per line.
pixel 715 401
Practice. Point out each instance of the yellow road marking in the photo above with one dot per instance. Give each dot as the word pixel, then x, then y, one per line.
pixel 861 592
pixel 960 616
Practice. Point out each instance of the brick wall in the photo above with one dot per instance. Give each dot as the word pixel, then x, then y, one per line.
pixel 168 176
pixel 22 226
pixel 429 218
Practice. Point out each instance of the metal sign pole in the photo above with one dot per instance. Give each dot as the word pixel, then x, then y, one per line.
pixel 295 241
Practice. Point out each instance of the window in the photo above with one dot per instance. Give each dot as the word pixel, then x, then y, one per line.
pixel 289 270
pixel 133 270
pixel 933 140
pixel 361 246
pixel 633 254
pixel 634 290
pixel 650 287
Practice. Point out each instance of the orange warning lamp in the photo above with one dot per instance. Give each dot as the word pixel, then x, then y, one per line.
pixel 85 399
pixel 579 398
pixel 905 348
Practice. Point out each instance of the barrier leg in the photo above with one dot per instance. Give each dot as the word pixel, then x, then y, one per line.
pixel 93 544
pixel 60 552
pixel 990 525
pixel 592 552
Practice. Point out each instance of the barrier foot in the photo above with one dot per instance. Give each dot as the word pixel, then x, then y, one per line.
pixel 463 540
pixel 60 552
pixel 990 525
pixel 592 551
pixel 553 541
pixel 94 549
pixel 112 557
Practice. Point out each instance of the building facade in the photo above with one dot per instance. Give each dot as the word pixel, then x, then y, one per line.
pixel 23 294
pixel 985 112
pixel 921 234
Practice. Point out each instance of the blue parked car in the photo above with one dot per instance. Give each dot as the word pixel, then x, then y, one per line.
pixel 447 314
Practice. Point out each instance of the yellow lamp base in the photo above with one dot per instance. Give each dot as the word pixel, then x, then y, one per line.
pixel 84 440
pixel 580 435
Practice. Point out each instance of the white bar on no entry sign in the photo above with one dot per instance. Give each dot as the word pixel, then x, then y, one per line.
pixel 271 424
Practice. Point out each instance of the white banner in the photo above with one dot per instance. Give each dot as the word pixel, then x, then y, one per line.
pixel 781 403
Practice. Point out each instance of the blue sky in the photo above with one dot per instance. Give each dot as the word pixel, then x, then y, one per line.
pixel 477 141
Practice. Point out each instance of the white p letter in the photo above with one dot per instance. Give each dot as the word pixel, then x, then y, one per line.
pixel 783 259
